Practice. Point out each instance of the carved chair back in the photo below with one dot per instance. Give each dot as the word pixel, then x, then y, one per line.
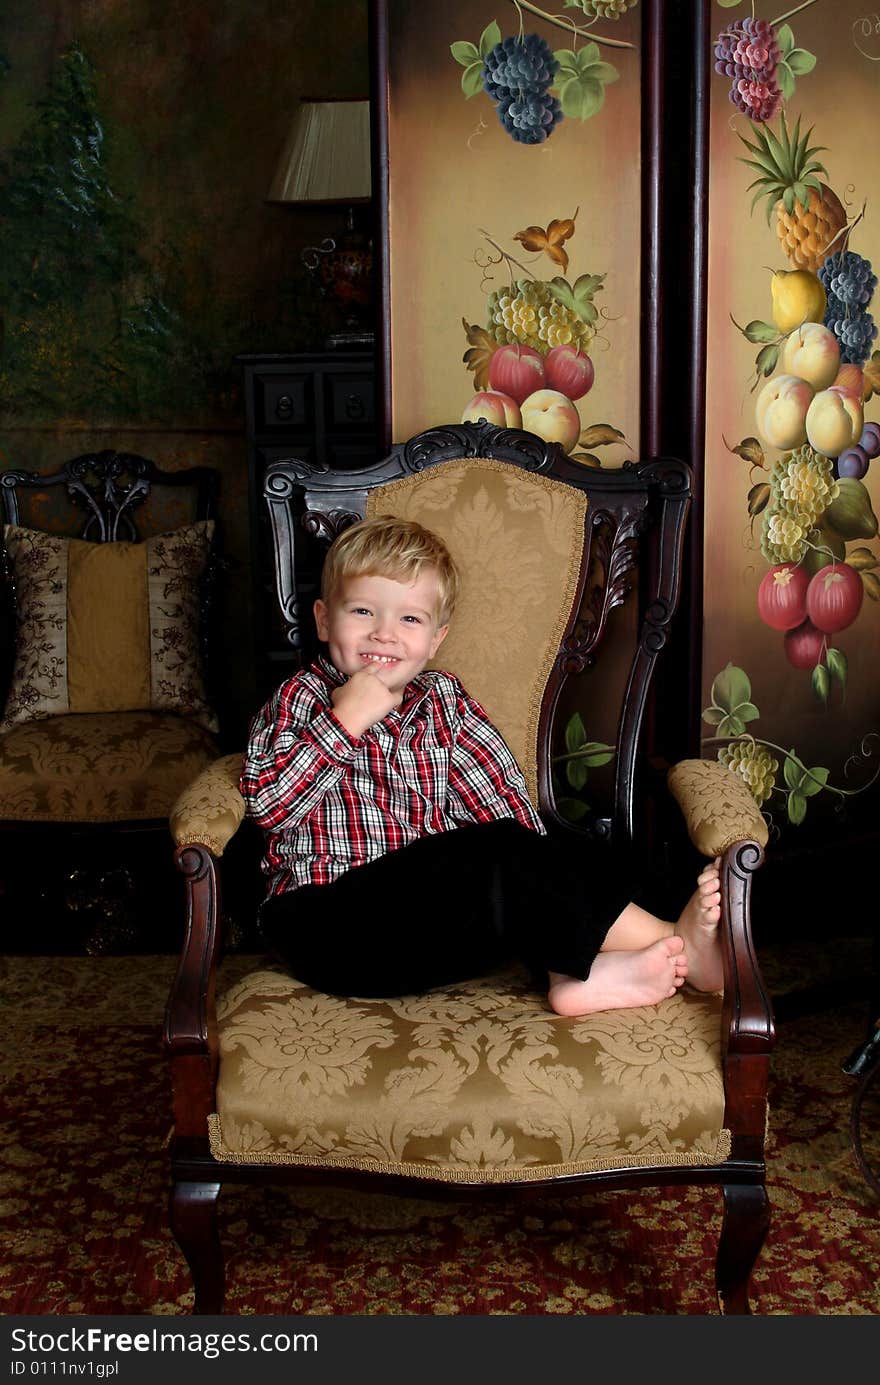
pixel 630 538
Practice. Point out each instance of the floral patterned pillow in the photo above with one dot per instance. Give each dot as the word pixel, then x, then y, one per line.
pixel 108 627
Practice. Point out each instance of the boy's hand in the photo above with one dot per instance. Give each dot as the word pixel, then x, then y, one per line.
pixel 364 699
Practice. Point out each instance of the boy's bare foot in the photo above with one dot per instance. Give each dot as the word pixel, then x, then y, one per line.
pixel 698 926
pixel 621 980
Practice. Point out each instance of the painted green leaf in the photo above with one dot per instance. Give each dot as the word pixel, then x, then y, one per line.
pixel 731 725
pixel 581 97
pixel 871 583
pixel 862 559
pixel 747 711
pixel 760 331
pixel 465 53
pixel 579 296
pixel 573 809
pixel 596 754
pixel 713 715
pixel 759 495
pixel 785 39
pixel 472 79
pixel 821 682
pixel 489 37
pixel 785 78
pixel 797 808
pixel 588 55
pixel 604 72
pixel 731 687
pixel 814 781
pixel 749 449
pixel 765 361
pixel 800 61
pixel 837 665
pixel 793 770
pixel 568 63
pixel 576 773
pixel 728 4
pixel 575 732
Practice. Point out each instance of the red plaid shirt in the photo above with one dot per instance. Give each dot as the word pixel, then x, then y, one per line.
pixel 329 801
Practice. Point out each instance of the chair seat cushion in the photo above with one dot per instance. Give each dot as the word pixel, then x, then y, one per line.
pixel 478 1082
pixel 100 767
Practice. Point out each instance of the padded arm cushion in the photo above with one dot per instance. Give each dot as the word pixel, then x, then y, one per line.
pixel 717 806
pixel 210 810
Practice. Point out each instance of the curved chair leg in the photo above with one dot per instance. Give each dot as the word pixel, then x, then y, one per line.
pixel 744 1226
pixel 193 1208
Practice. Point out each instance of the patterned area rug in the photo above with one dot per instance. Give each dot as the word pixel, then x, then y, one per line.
pixel 83 1191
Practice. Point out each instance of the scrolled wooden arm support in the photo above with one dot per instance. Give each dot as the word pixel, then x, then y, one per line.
pixel 190 1016
pixel 724 821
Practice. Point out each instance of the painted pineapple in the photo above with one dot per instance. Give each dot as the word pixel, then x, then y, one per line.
pixel 808 214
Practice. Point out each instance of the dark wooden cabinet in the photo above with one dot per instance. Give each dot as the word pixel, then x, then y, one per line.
pixel 321 408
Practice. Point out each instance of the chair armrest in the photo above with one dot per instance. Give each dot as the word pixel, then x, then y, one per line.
pixel 724 820
pixel 210 810
pixel 203 821
pixel 718 809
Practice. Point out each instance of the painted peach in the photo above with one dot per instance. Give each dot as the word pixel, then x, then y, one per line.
pixel 495 408
pixel 553 417
pixel 834 421
pixel 781 411
pixel 812 353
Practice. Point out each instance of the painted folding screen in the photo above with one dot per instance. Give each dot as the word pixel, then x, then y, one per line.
pixel 514 219
pixel 792 592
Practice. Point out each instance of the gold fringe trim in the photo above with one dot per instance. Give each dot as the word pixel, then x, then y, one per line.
pixel 463 1173
pixel 215 845
pixel 376 504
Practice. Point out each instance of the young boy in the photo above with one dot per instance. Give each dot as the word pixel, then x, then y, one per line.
pixel 402 849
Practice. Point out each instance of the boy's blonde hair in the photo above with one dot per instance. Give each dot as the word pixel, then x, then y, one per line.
pixel 395 548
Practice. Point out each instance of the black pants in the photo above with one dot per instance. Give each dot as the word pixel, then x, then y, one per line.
pixel 449 908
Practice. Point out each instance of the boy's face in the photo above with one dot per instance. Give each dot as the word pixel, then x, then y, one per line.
pixel 380 622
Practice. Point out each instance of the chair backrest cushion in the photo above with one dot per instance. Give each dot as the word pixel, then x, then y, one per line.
pixel 108 627
pixel 518 541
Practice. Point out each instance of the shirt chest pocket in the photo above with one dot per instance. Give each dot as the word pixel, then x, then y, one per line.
pixel 414 763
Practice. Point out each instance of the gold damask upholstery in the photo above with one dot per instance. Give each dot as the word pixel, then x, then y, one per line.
pixel 478 1081
pixel 717 806
pixel 516 539
pixel 100 767
pixel 210 810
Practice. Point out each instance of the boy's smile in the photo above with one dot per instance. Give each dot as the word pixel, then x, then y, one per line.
pixel 380 621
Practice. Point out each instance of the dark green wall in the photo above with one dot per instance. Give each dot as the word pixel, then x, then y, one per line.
pixel 138 140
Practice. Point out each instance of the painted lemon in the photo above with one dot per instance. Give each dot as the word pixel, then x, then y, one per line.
pixel 798 297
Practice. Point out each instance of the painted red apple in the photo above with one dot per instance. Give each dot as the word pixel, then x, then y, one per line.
pixel 495 408
pixel 516 370
pixel 804 646
pixel 568 370
pixel 834 597
pixel 782 596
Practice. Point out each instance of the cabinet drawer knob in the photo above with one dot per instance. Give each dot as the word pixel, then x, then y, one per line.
pixel 354 406
pixel 284 407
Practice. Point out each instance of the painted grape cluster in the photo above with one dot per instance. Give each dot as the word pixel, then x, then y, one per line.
pixel 849 284
pixel 748 52
pixel 517 76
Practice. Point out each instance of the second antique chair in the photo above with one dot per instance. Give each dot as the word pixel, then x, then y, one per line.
pixel 106 571
pixel 478 1088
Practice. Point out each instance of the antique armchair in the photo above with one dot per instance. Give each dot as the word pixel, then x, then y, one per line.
pixel 105 714
pixel 476 1089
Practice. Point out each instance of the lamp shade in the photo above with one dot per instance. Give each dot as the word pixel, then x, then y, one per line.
pixel 327 154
